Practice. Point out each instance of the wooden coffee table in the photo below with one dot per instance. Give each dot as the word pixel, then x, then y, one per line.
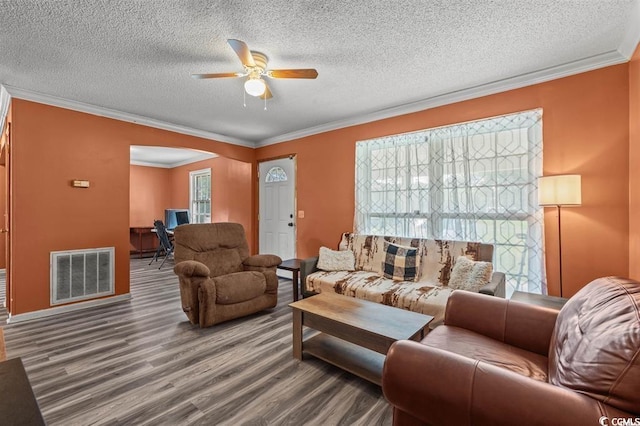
pixel 355 334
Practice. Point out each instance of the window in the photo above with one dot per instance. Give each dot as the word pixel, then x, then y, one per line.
pixel 200 190
pixel 276 174
pixel 474 181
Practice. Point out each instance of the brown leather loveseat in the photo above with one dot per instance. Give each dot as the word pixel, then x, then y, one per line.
pixel 497 362
pixel 219 281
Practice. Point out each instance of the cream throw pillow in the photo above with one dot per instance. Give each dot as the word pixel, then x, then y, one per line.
pixel 332 260
pixel 470 275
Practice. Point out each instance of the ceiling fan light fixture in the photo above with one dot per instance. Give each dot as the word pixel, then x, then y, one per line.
pixel 255 86
pixel 255 68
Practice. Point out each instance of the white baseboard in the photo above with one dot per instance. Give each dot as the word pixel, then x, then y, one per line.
pixel 28 316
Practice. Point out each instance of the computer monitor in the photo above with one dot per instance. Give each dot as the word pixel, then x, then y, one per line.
pixel 175 217
pixel 182 217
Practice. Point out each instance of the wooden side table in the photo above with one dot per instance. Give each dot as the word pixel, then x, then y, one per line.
pixel 293 265
pixel 552 302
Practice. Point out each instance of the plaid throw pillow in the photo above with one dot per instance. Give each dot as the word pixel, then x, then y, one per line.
pixel 400 263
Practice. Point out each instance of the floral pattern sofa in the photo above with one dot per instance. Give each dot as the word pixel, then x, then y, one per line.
pixel 427 295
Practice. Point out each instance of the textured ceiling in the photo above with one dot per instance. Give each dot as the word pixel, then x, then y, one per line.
pixel 373 57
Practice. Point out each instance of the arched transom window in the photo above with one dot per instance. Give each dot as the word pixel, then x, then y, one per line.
pixel 276 174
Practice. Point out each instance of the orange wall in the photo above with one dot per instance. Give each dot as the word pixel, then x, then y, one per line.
pixel 149 194
pixel 232 194
pixel 231 190
pixel 3 194
pixel 3 210
pixel 154 189
pixel 179 182
pixel 586 131
pixel 634 162
pixel 52 146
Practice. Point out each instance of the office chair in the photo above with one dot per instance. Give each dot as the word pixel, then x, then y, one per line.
pixel 165 244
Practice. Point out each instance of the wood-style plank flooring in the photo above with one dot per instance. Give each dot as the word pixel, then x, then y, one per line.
pixel 141 362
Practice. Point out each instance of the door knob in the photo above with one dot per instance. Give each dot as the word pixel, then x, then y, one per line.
pixel 290 223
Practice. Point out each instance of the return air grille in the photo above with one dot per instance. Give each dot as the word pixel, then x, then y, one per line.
pixel 81 274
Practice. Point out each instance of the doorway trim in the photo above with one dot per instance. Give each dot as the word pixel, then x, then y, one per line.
pixel 294 158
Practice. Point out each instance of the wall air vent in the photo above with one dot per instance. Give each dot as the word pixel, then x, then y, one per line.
pixel 81 274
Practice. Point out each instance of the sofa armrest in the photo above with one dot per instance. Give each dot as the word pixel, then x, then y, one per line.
pixel 207 303
pixel 272 282
pixel 522 325
pixel 307 266
pixel 261 262
pixel 495 287
pixel 191 268
pixel 192 275
pixel 444 388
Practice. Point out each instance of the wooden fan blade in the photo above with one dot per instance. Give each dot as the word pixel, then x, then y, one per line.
pixel 267 93
pixel 243 52
pixel 218 75
pixel 300 73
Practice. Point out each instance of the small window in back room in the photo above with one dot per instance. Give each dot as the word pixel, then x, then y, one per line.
pixel 200 196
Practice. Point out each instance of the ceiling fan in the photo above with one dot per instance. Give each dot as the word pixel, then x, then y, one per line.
pixel 255 67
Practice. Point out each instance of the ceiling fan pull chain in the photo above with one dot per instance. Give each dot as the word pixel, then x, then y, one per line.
pixel 265 103
pixel 244 98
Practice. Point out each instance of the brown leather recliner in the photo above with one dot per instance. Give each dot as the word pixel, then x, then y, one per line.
pixel 497 362
pixel 219 281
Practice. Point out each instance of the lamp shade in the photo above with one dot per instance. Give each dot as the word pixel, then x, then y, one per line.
pixel 561 190
pixel 255 86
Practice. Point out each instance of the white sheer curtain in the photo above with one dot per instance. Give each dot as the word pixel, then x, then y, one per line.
pixel 474 181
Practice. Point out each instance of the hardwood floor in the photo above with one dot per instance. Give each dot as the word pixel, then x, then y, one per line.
pixel 141 362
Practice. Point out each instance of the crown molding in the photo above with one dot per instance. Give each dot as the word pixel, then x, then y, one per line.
pixel 576 67
pixel 28 95
pixel 621 55
pixel 200 157
pixel 632 33
pixel 5 100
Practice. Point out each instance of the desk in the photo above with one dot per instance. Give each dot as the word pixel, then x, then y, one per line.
pixel 18 405
pixel 143 239
pixel 292 265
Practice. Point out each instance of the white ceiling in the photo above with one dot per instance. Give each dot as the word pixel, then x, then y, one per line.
pixel 158 156
pixel 132 59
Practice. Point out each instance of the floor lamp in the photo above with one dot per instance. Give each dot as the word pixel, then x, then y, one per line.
pixel 559 191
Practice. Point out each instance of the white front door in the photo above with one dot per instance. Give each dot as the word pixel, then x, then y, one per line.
pixel 277 208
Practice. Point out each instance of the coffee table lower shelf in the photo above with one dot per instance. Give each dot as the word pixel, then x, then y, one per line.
pixel 348 333
pixel 355 359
